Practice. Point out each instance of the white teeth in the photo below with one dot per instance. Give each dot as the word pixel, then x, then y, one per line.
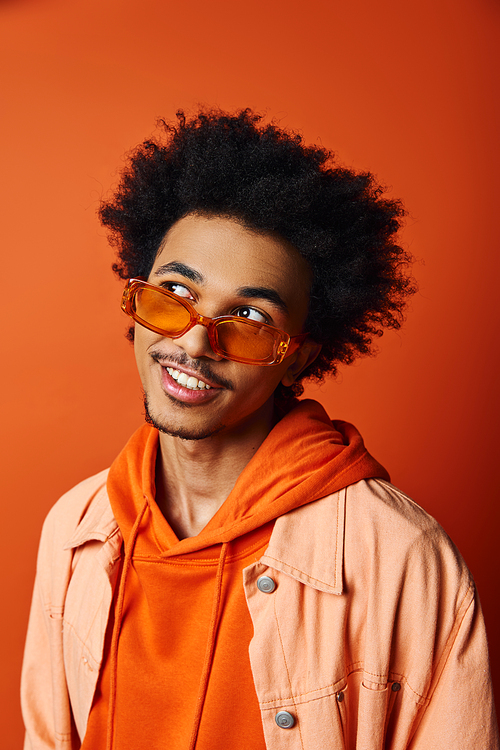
pixel 188 381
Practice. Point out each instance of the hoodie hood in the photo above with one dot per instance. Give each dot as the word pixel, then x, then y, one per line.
pixel 305 457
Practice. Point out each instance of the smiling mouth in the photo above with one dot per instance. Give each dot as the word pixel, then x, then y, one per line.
pixel 188 381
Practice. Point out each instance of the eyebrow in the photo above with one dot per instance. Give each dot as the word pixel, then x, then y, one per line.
pixel 252 292
pixel 182 270
pixel 263 292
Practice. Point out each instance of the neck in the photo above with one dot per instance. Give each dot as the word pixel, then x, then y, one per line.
pixel 194 477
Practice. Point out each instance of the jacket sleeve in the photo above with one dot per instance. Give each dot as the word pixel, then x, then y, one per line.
pixel 44 696
pixel 35 682
pixel 460 713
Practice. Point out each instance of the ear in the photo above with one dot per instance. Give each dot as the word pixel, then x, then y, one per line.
pixel 307 353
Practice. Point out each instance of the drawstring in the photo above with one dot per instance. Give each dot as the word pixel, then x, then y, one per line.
pixel 209 654
pixel 118 621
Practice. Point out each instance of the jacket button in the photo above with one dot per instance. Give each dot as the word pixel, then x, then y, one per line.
pixel 395 687
pixel 266 585
pixel 284 720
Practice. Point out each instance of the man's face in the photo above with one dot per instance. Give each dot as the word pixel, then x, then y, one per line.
pixel 222 268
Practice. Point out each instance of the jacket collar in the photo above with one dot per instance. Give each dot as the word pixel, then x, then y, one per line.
pixel 98 523
pixel 317 564
pixel 297 550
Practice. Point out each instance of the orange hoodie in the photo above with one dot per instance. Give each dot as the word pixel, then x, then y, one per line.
pixel 177 671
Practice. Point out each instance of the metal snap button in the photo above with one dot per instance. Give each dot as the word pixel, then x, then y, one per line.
pixel 284 719
pixel 340 697
pixel 266 584
pixel 395 687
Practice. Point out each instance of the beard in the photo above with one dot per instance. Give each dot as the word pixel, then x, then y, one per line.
pixel 179 432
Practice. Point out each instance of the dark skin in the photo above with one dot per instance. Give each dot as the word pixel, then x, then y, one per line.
pixel 208 435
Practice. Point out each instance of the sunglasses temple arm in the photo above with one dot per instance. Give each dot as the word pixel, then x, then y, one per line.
pixel 295 343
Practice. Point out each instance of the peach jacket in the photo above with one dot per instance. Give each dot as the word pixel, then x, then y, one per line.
pixel 372 639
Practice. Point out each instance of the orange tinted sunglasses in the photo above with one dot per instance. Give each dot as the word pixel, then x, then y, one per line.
pixel 232 337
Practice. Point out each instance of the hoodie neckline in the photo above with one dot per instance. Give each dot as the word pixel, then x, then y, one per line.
pixel 305 457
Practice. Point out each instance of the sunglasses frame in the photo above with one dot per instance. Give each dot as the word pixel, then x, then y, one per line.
pixel 284 344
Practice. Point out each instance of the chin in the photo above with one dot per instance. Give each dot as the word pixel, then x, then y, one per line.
pixel 184 433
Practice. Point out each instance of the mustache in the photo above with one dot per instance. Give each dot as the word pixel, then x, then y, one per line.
pixel 199 366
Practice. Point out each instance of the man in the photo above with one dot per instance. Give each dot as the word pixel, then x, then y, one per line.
pixel 244 576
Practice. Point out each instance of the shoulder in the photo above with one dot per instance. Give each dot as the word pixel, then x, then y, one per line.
pixel 86 499
pixel 72 506
pixel 377 509
pixel 389 537
pixel 376 503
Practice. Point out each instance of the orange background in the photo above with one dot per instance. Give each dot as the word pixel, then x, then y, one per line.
pixel 408 90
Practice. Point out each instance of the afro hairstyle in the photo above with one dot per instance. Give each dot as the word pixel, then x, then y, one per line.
pixel 235 166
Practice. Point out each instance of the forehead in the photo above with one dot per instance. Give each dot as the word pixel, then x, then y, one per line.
pixel 229 256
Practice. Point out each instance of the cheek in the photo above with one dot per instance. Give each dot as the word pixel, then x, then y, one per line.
pixel 143 339
pixel 262 383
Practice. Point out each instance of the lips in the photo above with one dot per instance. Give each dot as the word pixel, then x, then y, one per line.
pixel 184 385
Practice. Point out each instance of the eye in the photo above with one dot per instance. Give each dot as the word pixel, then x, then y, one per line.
pixel 250 313
pixel 179 289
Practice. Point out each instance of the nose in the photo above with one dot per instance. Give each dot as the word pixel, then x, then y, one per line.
pixel 196 342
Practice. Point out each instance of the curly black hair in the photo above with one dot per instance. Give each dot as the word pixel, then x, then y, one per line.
pixel 233 165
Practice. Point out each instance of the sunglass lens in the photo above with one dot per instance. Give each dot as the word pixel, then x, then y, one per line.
pixel 161 311
pixel 242 340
